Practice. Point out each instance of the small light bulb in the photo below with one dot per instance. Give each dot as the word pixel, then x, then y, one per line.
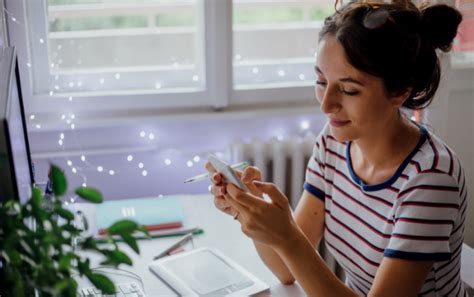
pixel 41 40
pixel 28 65
pixel 84 185
pixel 144 173
pixel 69 163
pixel 195 78
pixel 189 163
pixel 73 116
pixel 32 117
pixel 63 116
pixel 102 81
pixel 60 141
pixel 140 165
pixel 142 134
pixel 61 135
pixel 129 158
pixel 100 168
pixel 68 121
pixel 302 76
pixel 73 126
pixel 151 136
pixel 117 75
pixel 167 161
pixel 70 98
pixel 111 172
pixel 38 126
pixel 74 170
pixel 51 93
pixel 255 70
pixel 197 158
pixel 281 73
pixel 158 86
pixel 83 158
pixel 304 125
pixel 71 84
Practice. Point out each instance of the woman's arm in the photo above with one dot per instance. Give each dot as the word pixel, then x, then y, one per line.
pixel 309 216
pixel 259 218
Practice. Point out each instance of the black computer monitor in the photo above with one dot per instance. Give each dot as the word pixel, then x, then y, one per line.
pixel 16 172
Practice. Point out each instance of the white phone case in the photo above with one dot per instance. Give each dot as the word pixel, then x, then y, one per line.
pixel 227 171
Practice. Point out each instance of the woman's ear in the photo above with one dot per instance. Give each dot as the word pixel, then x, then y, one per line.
pixel 398 100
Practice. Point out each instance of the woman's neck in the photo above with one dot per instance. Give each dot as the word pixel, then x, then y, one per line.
pixel 377 157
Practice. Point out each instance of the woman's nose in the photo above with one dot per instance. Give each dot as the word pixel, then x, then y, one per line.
pixel 330 102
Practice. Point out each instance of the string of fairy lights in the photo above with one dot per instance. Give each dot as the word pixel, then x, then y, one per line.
pixel 69 120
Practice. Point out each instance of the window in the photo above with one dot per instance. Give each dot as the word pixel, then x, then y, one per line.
pixel 95 45
pixel 464 43
pixel 127 54
pixel 275 41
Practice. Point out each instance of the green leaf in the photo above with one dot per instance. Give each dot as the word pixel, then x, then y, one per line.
pixel 72 288
pixel 102 282
pixel 65 262
pixel 59 181
pixel 130 240
pixel 89 244
pixel 37 197
pixel 123 226
pixel 64 213
pixel 90 194
pixel 116 257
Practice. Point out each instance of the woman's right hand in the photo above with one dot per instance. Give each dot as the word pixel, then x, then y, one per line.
pixel 218 188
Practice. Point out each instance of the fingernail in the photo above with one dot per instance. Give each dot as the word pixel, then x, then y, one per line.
pixel 245 179
pixel 258 183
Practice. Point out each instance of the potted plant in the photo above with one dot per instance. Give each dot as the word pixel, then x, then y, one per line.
pixel 39 243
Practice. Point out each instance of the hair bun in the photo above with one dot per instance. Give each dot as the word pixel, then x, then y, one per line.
pixel 439 25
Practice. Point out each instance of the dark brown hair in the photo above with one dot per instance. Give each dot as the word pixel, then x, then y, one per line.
pixel 397 42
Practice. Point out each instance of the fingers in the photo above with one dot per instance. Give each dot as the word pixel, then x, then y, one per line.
pixel 243 199
pixel 273 192
pixel 222 205
pixel 209 167
pixel 251 173
pixel 217 190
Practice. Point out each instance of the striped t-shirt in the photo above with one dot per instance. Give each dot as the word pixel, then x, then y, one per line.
pixel 417 214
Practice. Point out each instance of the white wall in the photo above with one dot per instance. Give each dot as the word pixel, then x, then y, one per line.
pixel 452 118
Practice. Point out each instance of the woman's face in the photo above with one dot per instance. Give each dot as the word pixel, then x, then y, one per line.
pixel 355 102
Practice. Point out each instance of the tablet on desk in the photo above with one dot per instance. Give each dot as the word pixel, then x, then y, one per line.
pixel 206 272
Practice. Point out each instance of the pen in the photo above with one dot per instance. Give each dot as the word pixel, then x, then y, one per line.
pixel 203 176
pixel 179 243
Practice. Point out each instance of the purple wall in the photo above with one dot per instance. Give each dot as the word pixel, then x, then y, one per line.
pixel 179 140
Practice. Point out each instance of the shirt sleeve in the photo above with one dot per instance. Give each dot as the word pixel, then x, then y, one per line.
pixel 314 181
pixel 425 212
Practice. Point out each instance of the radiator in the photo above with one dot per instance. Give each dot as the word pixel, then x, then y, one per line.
pixel 282 162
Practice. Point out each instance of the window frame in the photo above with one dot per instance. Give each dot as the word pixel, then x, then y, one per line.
pixel 214 23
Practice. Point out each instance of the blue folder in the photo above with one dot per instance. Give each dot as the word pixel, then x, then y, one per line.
pixel 144 211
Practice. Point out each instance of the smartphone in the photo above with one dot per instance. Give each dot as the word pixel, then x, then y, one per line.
pixel 230 176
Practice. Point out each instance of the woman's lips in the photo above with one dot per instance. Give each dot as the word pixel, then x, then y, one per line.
pixel 338 123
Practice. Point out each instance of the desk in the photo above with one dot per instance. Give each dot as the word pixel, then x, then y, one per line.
pixel 220 231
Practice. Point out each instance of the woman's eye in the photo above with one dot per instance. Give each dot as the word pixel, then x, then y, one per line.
pixel 350 93
pixel 320 83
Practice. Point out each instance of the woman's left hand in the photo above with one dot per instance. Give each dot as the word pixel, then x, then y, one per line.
pixel 270 223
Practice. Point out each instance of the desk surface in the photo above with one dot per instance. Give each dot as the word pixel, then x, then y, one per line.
pixel 220 231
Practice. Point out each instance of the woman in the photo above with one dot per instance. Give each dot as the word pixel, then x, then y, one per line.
pixel 388 196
